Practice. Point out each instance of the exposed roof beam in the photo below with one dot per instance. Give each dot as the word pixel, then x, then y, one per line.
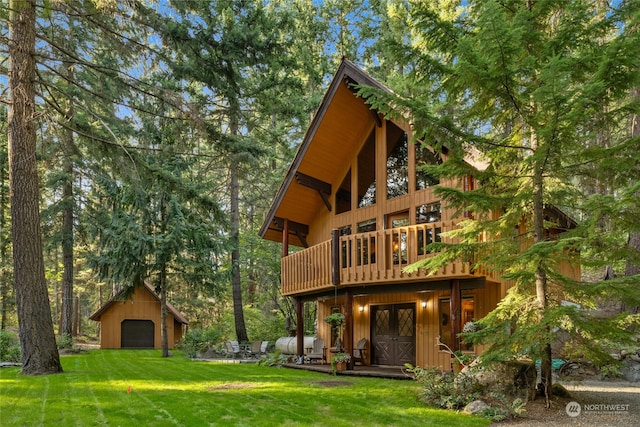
pixel 303 239
pixel 294 227
pixel 323 188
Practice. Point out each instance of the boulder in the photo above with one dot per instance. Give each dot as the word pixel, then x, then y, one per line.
pixel 631 370
pixel 513 378
pixel 475 407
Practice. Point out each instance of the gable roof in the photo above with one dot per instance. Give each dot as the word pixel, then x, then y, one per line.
pixel 338 125
pixel 179 317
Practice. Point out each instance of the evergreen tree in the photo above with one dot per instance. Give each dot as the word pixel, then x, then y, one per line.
pixel 37 340
pixel 7 302
pixel 525 87
pixel 234 54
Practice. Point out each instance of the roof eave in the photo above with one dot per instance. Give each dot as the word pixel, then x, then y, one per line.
pixel 347 69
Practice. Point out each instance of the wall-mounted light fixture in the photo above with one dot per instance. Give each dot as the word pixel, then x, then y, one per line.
pixel 361 308
pixel 424 304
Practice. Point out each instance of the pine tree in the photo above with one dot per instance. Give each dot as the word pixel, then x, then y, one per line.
pixel 234 55
pixel 37 340
pixel 526 87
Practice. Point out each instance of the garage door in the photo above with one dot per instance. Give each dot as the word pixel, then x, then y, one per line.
pixel 137 334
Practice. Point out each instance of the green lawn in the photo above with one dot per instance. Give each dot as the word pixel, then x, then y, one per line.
pixel 139 388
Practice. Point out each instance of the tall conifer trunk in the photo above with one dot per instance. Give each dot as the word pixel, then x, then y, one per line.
pixel 66 319
pixel 37 339
pixel 68 148
pixel 163 311
pixel 632 268
pixel 236 284
pixel 541 281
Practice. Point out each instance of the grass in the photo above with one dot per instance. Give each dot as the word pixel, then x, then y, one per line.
pixel 139 388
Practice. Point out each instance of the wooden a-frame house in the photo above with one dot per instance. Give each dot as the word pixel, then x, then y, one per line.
pixel 356 202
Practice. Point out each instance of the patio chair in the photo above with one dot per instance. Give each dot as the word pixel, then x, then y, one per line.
pixel 360 352
pixel 263 348
pixel 232 349
pixel 256 347
pixel 318 352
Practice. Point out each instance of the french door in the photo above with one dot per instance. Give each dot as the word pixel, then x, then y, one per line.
pixel 393 334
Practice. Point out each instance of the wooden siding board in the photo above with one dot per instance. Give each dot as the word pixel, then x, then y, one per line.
pixel 143 305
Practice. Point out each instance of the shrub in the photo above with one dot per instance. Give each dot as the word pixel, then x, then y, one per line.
pixel 9 347
pixel 198 340
pixel 275 359
pixel 438 389
pixel 65 341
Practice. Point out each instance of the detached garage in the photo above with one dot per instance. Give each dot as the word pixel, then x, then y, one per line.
pixel 135 322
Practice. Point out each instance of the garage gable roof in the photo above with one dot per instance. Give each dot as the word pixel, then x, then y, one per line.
pixel 179 317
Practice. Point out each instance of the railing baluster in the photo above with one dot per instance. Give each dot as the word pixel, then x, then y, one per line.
pixel 373 256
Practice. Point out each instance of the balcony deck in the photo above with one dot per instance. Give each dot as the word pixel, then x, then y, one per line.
pixel 370 258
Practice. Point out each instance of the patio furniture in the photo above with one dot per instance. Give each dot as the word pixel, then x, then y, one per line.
pixel 318 352
pixel 360 352
pixel 232 349
pixel 263 348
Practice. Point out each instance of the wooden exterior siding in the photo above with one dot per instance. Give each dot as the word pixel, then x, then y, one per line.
pixel 141 306
pixel 427 319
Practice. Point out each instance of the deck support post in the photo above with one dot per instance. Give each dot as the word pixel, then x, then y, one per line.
pixel 299 303
pixel 456 310
pixel 335 257
pixel 348 326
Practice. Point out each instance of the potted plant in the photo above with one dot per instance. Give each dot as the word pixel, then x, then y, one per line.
pixel 335 319
pixel 339 362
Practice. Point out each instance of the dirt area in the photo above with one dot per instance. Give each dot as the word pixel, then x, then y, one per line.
pixel 591 403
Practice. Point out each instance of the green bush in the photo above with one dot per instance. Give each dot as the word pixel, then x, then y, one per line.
pixel 65 341
pixel 9 347
pixel 438 389
pixel 198 340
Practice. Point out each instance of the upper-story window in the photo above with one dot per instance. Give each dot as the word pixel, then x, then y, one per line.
pixel 425 157
pixel 367 172
pixel 431 212
pixel 397 161
pixel 343 195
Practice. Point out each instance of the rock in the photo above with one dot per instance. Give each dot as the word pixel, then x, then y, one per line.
pixel 514 378
pixel 559 390
pixel 475 407
pixel 631 370
pixel 210 353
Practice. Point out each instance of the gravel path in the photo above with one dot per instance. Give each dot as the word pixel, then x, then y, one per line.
pixel 592 403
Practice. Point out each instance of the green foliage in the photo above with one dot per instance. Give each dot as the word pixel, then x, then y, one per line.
pixel 65 341
pixel 438 389
pixel 9 347
pixel 275 359
pixel 197 340
pixel 501 408
pixel 527 109
pixel 337 359
pixel 335 319
pixel 263 326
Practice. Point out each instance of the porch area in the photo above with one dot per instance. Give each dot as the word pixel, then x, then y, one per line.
pixel 391 372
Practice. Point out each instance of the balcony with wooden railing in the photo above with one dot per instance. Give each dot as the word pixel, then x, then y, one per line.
pixel 374 257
